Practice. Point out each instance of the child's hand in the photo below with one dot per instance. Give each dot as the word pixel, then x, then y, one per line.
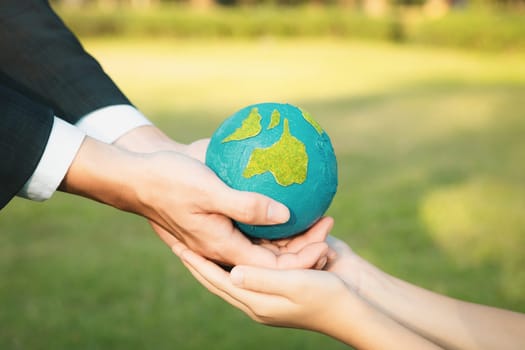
pixel 289 298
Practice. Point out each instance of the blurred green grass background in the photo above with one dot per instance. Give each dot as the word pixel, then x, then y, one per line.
pixel 481 24
pixel 430 148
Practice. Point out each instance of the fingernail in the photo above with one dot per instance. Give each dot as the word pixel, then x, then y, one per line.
pixel 277 213
pixel 237 276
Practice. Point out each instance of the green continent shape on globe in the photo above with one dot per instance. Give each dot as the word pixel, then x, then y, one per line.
pixel 312 122
pixel 286 160
pixel 274 119
pixel 250 127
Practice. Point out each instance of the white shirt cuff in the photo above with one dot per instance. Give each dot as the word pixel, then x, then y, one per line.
pixel 107 124
pixel 62 147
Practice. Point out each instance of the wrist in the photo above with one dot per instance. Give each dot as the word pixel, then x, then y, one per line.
pixel 360 324
pixel 367 280
pixel 349 316
pixel 148 139
pixel 103 173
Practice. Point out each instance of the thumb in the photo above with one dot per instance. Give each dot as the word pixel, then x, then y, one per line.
pixel 251 208
pixel 262 280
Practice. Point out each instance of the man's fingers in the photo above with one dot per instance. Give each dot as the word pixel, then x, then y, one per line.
pixel 317 233
pixel 249 207
pixel 239 250
pixel 306 258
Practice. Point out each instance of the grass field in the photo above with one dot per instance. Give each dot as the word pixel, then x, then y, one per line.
pixel 431 150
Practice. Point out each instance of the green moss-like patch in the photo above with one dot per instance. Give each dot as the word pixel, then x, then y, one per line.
pixel 275 119
pixel 286 160
pixel 250 127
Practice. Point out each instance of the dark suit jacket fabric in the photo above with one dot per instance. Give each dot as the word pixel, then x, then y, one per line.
pixel 41 64
pixel 24 130
pixel 49 63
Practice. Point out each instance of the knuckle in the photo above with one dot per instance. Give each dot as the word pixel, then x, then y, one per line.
pixel 247 212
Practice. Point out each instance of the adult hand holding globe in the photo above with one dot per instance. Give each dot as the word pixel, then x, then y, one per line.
pixel 280 151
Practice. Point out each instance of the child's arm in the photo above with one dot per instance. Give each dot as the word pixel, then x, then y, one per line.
pixel 451 323
pixel 307 299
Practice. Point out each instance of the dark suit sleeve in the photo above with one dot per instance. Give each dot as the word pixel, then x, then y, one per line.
pixel 25 127
pixel 45 61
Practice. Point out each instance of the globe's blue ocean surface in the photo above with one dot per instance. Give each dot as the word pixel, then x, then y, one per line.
pixel 280 151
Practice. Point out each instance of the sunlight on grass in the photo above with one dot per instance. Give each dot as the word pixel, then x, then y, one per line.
pixel 430 151
pixel 227 75
pixel 478 221
pixel 405 119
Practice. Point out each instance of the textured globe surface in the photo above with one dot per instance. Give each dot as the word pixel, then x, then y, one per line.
pixel 280 151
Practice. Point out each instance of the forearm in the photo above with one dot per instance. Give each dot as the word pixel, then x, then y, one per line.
pixel 362 326
pixel 452 323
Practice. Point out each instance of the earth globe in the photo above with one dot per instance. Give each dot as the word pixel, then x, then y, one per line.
pixel 280 151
